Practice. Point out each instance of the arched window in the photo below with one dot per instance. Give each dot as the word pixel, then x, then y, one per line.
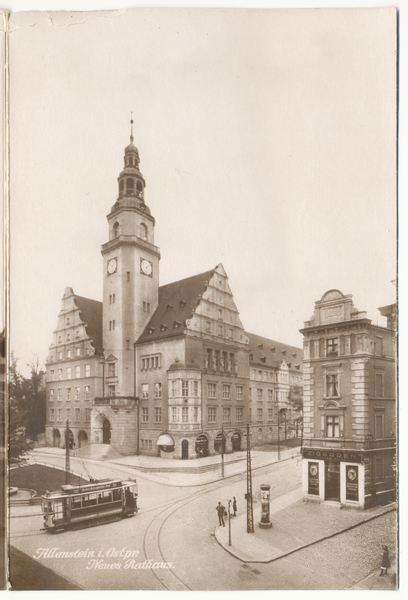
pixel 115 229
pixel 143 231
pixel 130 185
pixel 259 435
pixel 139 186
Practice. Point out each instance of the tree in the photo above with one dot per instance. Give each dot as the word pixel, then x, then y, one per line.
pixel 27 406
pixel 296 401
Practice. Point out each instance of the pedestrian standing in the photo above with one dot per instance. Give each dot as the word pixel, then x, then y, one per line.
pixel 385 563
pixel 220 510
pixel 234 506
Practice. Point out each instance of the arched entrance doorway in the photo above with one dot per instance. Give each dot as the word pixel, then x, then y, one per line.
pixel 218 443
pixel 236 442
pixel 70 439
pixel 184 449
pixel 56 438
pixel 201 446
pixel 82 438
pixel 106 432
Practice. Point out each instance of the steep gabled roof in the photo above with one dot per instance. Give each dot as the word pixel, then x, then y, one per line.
pixel 91 315
pixel 176 303
pixel 262 354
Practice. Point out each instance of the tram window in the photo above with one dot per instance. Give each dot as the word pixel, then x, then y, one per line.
pixel 117 494
pixel 76 503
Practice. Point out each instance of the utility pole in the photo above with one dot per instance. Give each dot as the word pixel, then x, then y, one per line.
pixel 67 458
pixel 250 512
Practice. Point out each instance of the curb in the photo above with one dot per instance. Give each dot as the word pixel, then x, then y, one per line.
pixel 326 537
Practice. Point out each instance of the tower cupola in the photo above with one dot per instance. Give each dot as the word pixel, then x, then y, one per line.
pixel 131 182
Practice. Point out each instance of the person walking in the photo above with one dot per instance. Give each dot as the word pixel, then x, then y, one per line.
pixel 234 506
pixel 220 510
pixel 385 563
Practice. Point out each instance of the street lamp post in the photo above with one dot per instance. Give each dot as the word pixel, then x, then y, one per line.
pixel 222 450
pixel 67 458
pixel 250 512
pixel 278 439
pixel 229 522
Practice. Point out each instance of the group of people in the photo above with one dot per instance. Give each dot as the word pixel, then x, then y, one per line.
pixel 222 511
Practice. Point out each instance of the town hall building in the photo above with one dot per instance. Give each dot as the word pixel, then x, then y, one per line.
pixel 167 371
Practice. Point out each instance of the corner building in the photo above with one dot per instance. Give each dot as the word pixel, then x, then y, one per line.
pixel 172 376
pixel 349 442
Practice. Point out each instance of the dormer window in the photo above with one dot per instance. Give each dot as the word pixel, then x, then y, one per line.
pixel 260 346
pixel 289 365
pixel 263 359
pixel 169 307
pixel 283 351
pixel 297 367
pixel 163 327
pixel 273 349
pixel 182 303
pixel 150 330
pixel 176 324
pixel 251 357
pixel 294 354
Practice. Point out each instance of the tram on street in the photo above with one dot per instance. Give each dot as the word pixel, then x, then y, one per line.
pixel 76 507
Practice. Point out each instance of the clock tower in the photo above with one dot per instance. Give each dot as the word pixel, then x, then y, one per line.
pixel 130 276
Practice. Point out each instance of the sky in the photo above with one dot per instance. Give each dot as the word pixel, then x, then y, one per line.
pixel 266 139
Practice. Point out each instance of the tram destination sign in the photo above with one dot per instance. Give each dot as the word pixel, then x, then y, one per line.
pixel 334 455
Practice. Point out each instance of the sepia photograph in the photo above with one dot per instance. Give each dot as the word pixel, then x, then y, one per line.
pixel 200 349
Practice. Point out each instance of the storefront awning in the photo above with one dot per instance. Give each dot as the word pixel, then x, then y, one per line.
pixel 165 440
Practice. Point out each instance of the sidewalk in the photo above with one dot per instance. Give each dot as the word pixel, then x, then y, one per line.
pixel 199 471
pixel 293 528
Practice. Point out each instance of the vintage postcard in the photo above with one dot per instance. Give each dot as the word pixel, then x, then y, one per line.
pixel 201 345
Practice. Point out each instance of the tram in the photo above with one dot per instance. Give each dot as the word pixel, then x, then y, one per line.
pixel 101 501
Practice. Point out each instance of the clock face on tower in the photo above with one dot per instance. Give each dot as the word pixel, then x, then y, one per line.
pixel 146 267
pixel 112 266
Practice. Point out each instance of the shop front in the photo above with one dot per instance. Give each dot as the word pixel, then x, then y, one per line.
pixel 333 476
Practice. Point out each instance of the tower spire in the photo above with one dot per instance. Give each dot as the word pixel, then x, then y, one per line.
pixel 131 127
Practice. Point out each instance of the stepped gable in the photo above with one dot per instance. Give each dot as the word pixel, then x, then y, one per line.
pixel 177 301
pixel 91 315
pixel 261 348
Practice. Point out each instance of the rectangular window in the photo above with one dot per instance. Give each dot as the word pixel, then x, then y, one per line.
pixel 157 390
pixel 379 426
pixel 59 355
pixel 77 414
pixel 332 382
pixel 111 369
pixel 87 414
pixel 270 395
pixel 87 370
pixel 68 372
pixel 68 413
pixel 68 337
pixel 212 390
pixel 77 393
pixel 239 390
pixel 231 333
pixel 230 363
pixel 226 415
pixel 51 375
pixel 239 413
pixel 111 390
pixel 77 371
pixel 332 426
pixel 212 412
pixel 78 351
pixel 208 326
pixel 195 388
pixel 69 354
pixel 145 390
pixel 195 414
pixel 270 414
pixel 208 359
pixel 259 394
pixel 174 414
pixel 332 347
pixel 226 392
pixel 68 393
pixel 157 414
pixel 145 415
pixel 51 395
pixel 60 394
pixel 184 414
pixel 174 388
pixel 379 469
pixel 220 313
pixel 379 385
pixel 216 359
pixel 220 330
pixel 378 346
pixel 51 414
pixel 87 392
pixel 259 414
pixel 184 388
pixel 59 414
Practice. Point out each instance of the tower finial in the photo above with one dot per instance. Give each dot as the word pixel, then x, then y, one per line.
pixel 131 127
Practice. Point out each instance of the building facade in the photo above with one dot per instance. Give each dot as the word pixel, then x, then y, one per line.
pixel 167 368
pixel 349 438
